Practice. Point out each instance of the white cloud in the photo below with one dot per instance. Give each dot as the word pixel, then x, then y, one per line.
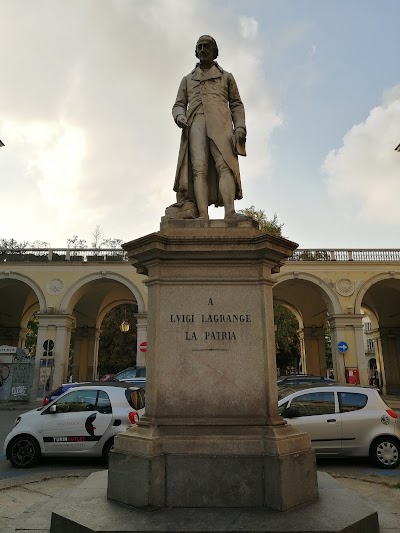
pixel 88 87
pixel 363 175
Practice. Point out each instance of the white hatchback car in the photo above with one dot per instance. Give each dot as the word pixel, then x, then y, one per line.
pixel 81 422
pixel 344 421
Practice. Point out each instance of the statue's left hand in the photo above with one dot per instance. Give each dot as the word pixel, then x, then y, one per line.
pixel 240 136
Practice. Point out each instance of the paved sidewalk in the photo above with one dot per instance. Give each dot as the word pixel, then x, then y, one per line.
pixel 28 506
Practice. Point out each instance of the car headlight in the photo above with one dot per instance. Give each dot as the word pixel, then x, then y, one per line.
pixel 17 421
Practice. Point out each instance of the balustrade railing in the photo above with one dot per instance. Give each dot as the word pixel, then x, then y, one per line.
pixel 346 255
pixel 117 254
pixel 62 254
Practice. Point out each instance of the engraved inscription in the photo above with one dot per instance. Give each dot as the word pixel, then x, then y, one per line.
pixel 201 320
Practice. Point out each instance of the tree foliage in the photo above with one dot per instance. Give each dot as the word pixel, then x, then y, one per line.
pixel 286 338
pixel 117 350
pixel 31 335
pixel 12 244
pixel 271 226
pixel 98 242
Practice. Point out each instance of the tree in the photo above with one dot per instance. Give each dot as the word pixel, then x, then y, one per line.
pixel 31 335
pixel 286 338
pixel 112 243
pixel 75 242
pixel 12 244
pixel 117 350
pixel 270 226
pixel 97 233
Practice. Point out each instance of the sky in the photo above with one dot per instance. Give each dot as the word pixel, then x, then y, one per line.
pixel 87 87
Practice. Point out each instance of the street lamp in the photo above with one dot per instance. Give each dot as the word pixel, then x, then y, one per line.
pixel 124 327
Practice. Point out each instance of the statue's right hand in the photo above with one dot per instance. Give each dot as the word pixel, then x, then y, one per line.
pixel 181 121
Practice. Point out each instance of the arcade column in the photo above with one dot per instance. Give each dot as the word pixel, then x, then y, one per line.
pixel 314 346
pixel 86 352
pixel 141 328
pixel 348 328
pixel 56 328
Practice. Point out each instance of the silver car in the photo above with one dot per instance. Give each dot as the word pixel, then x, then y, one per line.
pixel 344 421
pixel 81 422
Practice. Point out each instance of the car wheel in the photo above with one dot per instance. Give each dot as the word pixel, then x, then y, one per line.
pixel 385 452
pixel 108 446
pixel 23 451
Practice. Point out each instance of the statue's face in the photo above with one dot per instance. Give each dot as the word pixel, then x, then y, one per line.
pixel 205 50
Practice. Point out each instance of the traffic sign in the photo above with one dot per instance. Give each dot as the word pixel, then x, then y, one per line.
pixel 342 346
pixel 143 346
pixel 48 345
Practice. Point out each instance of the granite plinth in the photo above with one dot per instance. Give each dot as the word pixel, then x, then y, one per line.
pixel 337 510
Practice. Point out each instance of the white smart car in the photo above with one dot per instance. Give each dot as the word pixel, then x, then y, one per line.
pixel 344 421
pixel 81 422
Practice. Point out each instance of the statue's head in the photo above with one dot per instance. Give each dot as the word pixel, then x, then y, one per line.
pixel 206 42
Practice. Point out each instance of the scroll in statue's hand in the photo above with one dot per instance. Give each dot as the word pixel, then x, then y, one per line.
pixel 181 121
pixel 239 142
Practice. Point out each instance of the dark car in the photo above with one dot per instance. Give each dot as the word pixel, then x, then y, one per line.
pixel 299 379
pixel 131 372
pixel 57 392
pixel 108 377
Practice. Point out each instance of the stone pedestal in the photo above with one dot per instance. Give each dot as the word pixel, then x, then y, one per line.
pixel 212 435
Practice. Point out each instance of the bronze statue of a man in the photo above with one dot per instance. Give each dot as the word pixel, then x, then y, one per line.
pixel 210 112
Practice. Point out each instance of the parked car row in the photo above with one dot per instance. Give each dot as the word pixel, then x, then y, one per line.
pixel 82 419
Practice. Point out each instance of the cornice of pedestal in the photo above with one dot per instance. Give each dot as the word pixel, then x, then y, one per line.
pixel 208 241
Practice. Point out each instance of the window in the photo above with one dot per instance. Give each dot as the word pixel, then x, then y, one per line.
pixel 351 401
pixel 76 401
pixel 103 403
pixel 314 403
pixel 370 346
pixel 84 400
pixel 136 398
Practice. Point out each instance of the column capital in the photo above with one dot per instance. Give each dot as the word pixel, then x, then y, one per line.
pixel 341 321
pixel 57 320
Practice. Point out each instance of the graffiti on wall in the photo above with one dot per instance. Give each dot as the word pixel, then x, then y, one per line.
pixel 16 375
pixel 4 373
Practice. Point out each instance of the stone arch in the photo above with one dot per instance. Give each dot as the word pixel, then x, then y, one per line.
pixel 371 315
pixel 368 284
pixel 33 285
pixel 293 310
pixel 66 301
pixel 108 308
pixel 329 292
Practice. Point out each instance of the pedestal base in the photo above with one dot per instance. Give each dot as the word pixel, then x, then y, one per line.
pixel 89 511
pixel 212 435
pixel 270 466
